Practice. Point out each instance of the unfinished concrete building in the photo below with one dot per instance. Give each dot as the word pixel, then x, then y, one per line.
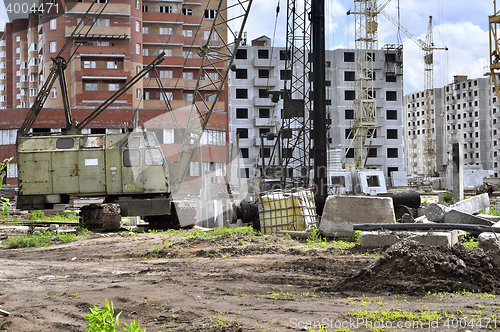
pixel 259 67
pixel 466 111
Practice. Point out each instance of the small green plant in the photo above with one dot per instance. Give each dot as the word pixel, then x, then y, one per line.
pixel 447 197
pixel 469 241
pixel 102 319
pixel 354 237
pixel 315 236
pixel 492 212
pixel 4 168
pixel 36 215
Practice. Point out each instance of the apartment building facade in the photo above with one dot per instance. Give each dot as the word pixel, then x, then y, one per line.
pixel 465 112
pixel 252 113
pixel 126 36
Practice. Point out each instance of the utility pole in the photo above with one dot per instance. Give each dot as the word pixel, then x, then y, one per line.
pixel 319 93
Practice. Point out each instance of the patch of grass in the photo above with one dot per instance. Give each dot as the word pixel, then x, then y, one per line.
pixel 216 232
pixel 491 211
pixel 102 319
pixel 36 215
pixel 396 315
pixel 163 246
pixel 447 197
pixel 42 239
pixel 468 240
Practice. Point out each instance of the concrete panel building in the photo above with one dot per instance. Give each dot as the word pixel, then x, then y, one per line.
pixel 466 112
pixel 259 66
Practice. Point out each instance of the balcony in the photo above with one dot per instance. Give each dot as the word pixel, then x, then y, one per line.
pixel 80 8
pixel 101 32
pixel 263 102
pixel 157 39
pixel 263 81
pixel 264 62
pixel 265 122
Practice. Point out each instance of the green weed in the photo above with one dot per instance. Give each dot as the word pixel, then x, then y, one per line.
pixel 102 319
pixel 42 239
pixel 447 197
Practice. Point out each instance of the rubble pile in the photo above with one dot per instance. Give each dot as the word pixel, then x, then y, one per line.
pixel 413 268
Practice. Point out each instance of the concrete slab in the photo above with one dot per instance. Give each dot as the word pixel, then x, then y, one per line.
pixel 369 181
pixel 435 212
pixel 341 212
pixel 387 238
pixel 339 182
pixel 458 217
pixel 473 204
pixel 488 241
pixel 399 179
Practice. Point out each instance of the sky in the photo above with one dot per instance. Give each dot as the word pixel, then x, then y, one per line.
pixel 460 25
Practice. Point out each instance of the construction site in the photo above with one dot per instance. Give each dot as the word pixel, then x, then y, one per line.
pixel 163 173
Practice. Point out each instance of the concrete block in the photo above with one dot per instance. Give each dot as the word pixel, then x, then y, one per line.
pixel 492 219
pixel 435 212
pixel 339 182
pixel 473 204
pixel 341 212
pixel 438 239
pixel 422 220
pixel 488 241
pixel 399 179
pixel 458 217
pixel 369 181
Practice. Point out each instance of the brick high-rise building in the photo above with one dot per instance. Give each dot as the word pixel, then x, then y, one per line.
pixel 127 35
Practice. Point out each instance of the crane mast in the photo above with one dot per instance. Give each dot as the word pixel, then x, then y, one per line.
pixel 494 21
pixel 429 139
pixel 365 106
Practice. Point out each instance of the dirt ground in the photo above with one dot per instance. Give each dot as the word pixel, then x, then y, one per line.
pixel 241 283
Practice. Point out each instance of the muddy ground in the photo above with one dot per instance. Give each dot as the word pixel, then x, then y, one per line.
pixel 244 283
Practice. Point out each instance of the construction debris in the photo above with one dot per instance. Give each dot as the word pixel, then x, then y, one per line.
pixel 459 217
pixel 461 211
pixel 488 241
pixel 388 238
pixel 342 212
pixel 4 313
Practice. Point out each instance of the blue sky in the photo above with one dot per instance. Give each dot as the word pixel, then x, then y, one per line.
pixel 460 25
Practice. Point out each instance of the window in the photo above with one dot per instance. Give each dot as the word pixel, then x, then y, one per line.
pixel 263 73
pixel 53 93
pixel 90 86
pixel 146 95
pixel 348 133
pixel 349 95
pixel 138 94
pixel 166 9
pixel 18 39
pixel 348 56
pixel 372 152
pixel 166 74
pixel 391 95
pixel 263 93
pixel 137 26
pixel 187 33
pixel 285 55
pixel 241 54
pixel 391 114
pixel 349 114
pixel 266 153
pixel 187 11
pixel 263 54
pixel 53 47
pixel 244 152
pixel 137 4
pixel 111 65
pixel 131 158
pixel 350 153
pixel 153 157
pixel 241 113
pixel 392 134
pixel 392 152
pixel 145 51
pixel 145 8
pixel 264 113
pixel 390 78
pixel 242 132
pixel 285 74
pixel 188 75
pixel 53 24
pixel 167 31
pixel 210 13
pixel 137 48
pixel 65 143
pixel 187 96
pixel 113 87
pixel 349 76
pixel 241 74
pixel 102 22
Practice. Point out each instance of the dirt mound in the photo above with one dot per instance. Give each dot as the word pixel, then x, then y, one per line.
pixel 413 268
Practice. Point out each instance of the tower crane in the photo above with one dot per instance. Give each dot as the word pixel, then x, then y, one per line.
pixel 429 153
pixel 494 21
pixel 365 117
